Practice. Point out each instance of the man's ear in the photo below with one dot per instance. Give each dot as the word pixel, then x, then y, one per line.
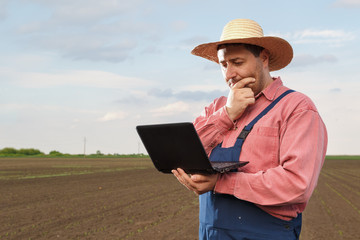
pixel 265 57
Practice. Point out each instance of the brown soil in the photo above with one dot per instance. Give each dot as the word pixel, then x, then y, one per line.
pixel 334 209
pixel 129 199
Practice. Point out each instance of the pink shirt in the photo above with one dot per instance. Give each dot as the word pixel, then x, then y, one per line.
pixel 286 150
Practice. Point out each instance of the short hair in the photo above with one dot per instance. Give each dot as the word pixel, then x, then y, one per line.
pixel 254 49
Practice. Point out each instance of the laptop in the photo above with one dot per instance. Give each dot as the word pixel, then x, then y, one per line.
pixel 177 145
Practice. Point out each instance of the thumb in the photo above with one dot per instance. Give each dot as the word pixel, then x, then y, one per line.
pixel 198 178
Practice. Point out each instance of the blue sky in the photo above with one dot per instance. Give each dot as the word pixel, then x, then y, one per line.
pixel 91 69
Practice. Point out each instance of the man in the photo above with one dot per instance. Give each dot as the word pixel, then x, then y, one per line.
pixel 285 146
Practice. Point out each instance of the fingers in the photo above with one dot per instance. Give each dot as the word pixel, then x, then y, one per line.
pixel 183 178
pixel 240 97
pixel 197 183
pixel 197 178
pixel 243 83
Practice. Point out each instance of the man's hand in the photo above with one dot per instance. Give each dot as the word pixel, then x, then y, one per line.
pixel 198 183
pixel 239 98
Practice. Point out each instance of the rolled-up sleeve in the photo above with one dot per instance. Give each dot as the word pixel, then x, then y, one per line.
pixel 212 124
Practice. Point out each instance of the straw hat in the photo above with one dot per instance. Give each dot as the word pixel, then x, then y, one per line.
pixel 250 32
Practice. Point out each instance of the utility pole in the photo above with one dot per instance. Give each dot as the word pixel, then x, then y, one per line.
pixel 84 147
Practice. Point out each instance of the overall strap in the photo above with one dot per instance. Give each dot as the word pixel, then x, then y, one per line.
pixel 246 130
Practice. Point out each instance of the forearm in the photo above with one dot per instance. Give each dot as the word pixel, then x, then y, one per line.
pixel 211 126
pixel 275 187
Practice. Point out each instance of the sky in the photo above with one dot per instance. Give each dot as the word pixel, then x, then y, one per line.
pixel 79 76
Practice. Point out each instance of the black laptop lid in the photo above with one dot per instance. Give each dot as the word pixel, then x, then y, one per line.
pixel 174 145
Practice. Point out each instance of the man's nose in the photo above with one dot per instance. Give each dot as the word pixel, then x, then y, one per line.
pixel 230 72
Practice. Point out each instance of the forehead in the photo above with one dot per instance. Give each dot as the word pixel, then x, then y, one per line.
pixel 226 52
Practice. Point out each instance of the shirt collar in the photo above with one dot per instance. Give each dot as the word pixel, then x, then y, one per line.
pixel 272 89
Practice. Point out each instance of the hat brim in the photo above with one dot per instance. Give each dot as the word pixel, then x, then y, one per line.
pixel 281 52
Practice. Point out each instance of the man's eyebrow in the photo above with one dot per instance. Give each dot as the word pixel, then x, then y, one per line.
pixel 232 59
pixel 236 59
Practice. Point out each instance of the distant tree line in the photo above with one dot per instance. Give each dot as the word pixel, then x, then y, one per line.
pixel 23 152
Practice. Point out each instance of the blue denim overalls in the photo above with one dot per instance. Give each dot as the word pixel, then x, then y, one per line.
pixel 225 217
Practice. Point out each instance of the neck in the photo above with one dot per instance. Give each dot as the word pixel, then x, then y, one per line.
pixel 268 80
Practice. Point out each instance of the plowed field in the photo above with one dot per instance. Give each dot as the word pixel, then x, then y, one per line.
pixel 48 198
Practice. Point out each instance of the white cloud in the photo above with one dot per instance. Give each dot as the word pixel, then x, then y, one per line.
pixel 88 45
pixel 3 10
pixel 307 59
pixel 187 95
pixel 91 30
pixel 347 3
pixel 208 87
pixel 311 36
pixel 189 43
pixel 309 33
pixel 24 61
pixel 25 108
pixel 86 78
pixel 179 25
pixel 171 109
pixel 111 116
pixel 81 11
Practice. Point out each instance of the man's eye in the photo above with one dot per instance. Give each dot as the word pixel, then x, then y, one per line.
pixel 238 63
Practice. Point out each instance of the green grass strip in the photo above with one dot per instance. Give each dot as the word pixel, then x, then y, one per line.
pixel 73 173
pixel 342 157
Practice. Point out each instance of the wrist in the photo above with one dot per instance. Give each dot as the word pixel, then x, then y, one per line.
pixel 229 113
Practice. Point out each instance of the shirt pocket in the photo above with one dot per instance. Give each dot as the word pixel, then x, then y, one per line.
pixel 261 148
